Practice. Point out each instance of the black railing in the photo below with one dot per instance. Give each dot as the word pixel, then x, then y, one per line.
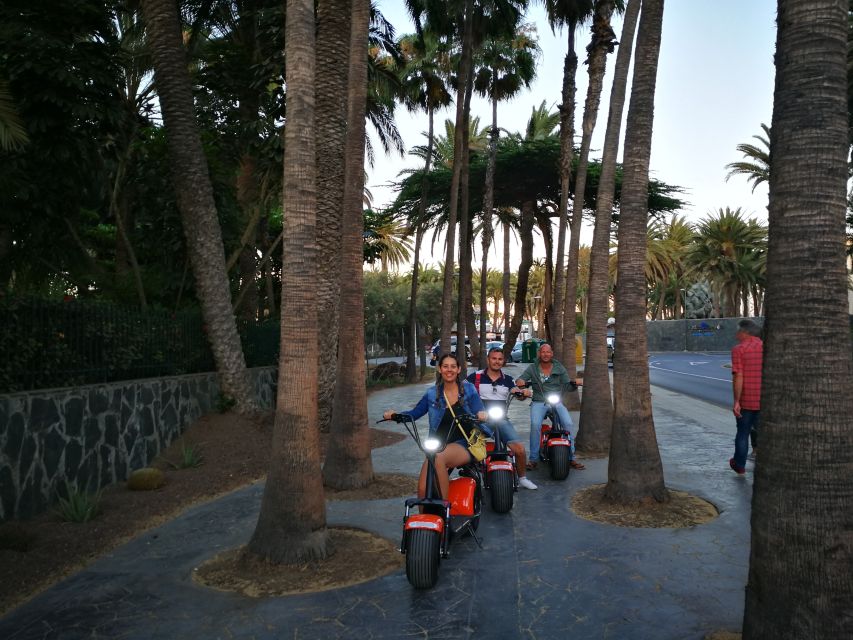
pixel 47 343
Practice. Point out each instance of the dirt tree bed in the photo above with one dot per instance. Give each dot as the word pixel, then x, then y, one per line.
pixel 36 553
pixel 682 510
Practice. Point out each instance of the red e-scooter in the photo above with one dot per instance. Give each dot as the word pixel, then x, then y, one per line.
pixel 555 441
pixel 499 472
pixel 427 535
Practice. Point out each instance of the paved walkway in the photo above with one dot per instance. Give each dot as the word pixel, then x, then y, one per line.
pixel 543 573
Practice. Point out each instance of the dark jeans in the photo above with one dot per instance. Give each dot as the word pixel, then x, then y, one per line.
pixel 747 422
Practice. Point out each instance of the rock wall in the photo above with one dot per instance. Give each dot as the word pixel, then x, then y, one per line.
pixel 709 334
pixel 95 435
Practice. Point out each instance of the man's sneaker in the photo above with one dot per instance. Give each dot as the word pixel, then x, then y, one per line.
pixel 738 470
pixel 524 482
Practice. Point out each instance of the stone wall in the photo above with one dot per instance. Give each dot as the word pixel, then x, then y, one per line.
pixel 95 435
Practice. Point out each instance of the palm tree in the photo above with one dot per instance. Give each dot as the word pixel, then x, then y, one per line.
pixel 596 419
pixel 506 66
pixel 424 84
pixel 569 14
pixel 635 472
pixel 729 251
pixel 292 523
pixel 803 486
pixel 13 133
pixel 603 42
pixel 348 462
pixel 756 166
pixel 333 28
pixel 195 199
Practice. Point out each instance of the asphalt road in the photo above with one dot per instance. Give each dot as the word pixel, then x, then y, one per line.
pixel 707 376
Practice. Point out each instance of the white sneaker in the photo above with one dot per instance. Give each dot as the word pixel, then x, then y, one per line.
pixel 524 482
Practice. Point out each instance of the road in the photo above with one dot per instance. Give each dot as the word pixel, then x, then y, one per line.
pixel 706 376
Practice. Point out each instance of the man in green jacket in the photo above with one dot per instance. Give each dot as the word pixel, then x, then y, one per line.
pixel 544 378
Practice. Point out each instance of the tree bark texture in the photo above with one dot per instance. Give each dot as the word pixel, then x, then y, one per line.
pixel 449 263
pixel 801 561
pixel 567 133
pixel 333 42
pixel 488 232
pixel 348 461
pixel 195 200
pixel 505 280
pixel 292 523
pixel 635 472
pixel 596 419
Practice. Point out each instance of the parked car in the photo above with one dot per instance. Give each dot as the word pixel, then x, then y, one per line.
pixel 493 344
pixel 437 346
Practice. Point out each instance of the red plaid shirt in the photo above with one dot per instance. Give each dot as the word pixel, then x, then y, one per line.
pixel 746 359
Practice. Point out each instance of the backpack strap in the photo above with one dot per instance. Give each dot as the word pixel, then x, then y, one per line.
pixel 477 381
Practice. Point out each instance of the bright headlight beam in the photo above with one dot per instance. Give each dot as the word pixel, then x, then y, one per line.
pixel 553 398
pixel 496 413
pixel 432 444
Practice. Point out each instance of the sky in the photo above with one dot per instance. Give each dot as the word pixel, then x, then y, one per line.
pixel 714 89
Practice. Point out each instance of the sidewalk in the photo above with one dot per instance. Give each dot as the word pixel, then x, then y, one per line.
pixel 543 573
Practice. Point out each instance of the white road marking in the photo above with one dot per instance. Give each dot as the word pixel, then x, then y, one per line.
pixel 693 364
pixel 695 375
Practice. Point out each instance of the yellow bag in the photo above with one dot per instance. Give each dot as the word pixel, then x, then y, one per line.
pixel 476 441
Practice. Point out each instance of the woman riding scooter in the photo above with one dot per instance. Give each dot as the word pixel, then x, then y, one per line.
pixel 445 402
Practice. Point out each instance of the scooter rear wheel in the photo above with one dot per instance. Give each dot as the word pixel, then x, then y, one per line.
pixel 559 459
pixel 423 548
pixel 502 490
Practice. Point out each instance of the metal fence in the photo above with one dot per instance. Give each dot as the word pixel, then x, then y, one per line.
pixel 51 343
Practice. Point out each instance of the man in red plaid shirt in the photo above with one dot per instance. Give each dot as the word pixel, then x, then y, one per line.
pixel 747 358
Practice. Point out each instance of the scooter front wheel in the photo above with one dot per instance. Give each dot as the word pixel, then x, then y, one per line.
pixel 559 458
pixel 503 491
pixel 423 548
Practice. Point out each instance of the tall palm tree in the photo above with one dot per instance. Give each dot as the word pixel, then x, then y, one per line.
pixel 596 418
pixel 505 66
pixel 803 486
pixel 603 42
pixel 13 133
pixel 635 472
pixel 291 526
pixel 195 199
pixel 569 14
pixel 756 165
pixel 424 83
pixel 348 462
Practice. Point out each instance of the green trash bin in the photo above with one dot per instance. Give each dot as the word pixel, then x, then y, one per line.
pixel 529 349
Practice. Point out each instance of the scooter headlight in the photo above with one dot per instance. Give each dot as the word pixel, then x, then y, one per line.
pixel 432 444
pixel 496 413
pixel 554 398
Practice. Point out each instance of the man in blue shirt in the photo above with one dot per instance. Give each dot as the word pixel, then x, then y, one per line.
pixel 494 387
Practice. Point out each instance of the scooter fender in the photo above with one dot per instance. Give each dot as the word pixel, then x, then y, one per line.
pixel 559 442
pixel 461 496
pixel 424 521
pixel 499 465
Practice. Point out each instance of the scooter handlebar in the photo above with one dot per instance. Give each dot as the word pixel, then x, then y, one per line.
pixel 399 418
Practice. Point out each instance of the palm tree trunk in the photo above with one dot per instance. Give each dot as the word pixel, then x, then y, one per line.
pixel 458 139
pixel 803 485
pixel 465 324
pixel 505 280
pixel 292 523
pixel 195 200
pixel 567 132
pixel 333 41
pixel 348 461
pixel 596 418
pixel 419 236
pixel 635 472
pixel 544 223
pixel 519 307
pixel 488 207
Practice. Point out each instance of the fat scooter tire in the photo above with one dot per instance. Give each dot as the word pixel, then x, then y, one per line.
pixel 560 460
pixel 502 490
pixel 423 548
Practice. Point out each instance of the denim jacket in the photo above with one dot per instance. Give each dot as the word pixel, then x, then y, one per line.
pixel 433 402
